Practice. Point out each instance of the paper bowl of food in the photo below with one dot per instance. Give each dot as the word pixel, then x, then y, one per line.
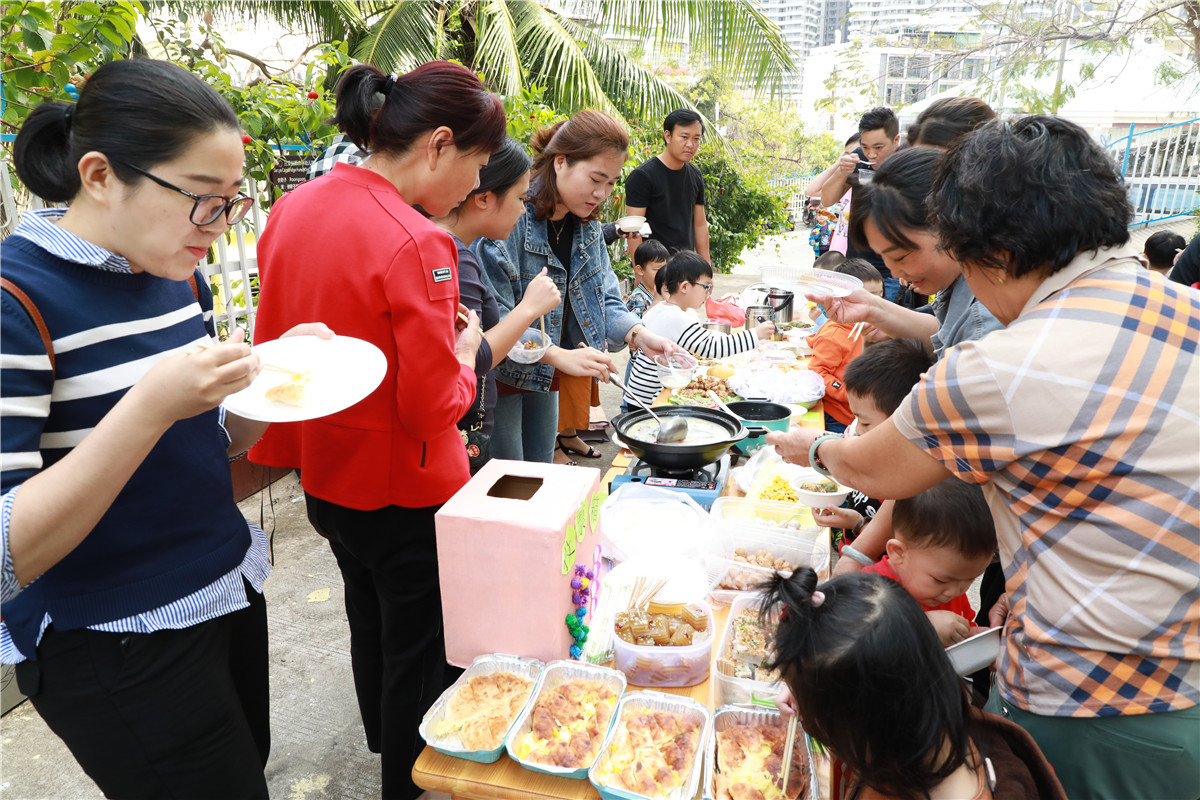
pixel 530 348
pixel 631 224
pixel 818 491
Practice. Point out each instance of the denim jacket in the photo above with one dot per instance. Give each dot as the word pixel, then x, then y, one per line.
pixel 961 317
pixel 509 266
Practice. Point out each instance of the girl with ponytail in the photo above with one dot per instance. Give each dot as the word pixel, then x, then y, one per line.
pixel 869 678
pixel 132 586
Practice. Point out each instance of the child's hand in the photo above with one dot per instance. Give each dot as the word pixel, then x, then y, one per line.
pixel 951 628
pixel 836 518
pixel 764 330
pixel 541 295
pixel 188 384
pixel 786 703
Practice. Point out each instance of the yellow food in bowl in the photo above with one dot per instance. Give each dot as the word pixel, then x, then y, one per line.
pixel 721 371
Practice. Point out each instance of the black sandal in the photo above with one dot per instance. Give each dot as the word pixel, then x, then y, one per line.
pixel 571 451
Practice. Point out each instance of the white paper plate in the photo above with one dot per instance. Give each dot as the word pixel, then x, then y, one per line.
pixel 343 370
pixel 976 652
pixel 805 280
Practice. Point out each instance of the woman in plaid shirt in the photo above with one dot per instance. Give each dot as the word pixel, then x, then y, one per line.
pixel 1081 419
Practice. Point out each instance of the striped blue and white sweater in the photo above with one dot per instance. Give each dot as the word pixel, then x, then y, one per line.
pixel 173 549
pixel 679 326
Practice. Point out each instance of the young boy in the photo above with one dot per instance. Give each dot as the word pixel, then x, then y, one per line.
pixel 942 540
pixel 877 382
pixel 687 280
pixel 648 259
pixel 1160 250
pixel 833 349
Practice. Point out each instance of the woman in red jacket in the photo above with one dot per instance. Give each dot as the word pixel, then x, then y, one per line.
pixel 350 249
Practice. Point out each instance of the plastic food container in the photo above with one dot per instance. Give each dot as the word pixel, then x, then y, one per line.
pixel 731 689
pixel 483 665
pixel 726 716
pixel 729 578
pixel 764 516
pixel 522 353
pixel 654 701
pixel 553 675
pixel 667 666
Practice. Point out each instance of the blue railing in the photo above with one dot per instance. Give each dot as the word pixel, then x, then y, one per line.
pixel 1161 168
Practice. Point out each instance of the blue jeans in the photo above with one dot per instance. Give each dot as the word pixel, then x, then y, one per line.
pixel 525 426
pixel 891 288
pixel 832 425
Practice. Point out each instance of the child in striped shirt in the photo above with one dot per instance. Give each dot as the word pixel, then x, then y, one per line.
pixel 687 278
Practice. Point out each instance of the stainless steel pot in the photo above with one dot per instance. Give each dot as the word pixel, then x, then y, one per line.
pixel 717 327
pixel 756 315
pixel 781 300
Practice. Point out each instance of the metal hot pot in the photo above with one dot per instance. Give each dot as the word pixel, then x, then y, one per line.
pixel 681 456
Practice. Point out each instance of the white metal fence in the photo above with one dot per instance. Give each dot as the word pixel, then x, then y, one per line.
pixel 233 276
pixel 1161 167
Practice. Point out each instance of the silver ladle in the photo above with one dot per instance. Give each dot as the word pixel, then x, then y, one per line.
pixel 670 430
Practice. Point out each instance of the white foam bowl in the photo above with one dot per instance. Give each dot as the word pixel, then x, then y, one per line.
pixel 976 652
pixel 631 224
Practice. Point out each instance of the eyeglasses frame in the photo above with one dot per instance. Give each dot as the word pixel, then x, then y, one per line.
pixel 196 198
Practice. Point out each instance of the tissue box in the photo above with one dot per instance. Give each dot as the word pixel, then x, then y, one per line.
pixel 508 543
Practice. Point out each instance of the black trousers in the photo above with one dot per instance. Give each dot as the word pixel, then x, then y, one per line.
pixel 169 714
pixel 388 560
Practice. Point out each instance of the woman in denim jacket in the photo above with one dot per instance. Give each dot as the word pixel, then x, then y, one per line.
pixel 577 165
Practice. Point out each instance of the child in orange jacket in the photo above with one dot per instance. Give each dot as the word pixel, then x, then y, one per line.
pixel 834 348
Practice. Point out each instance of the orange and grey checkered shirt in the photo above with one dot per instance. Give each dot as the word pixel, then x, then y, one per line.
pixel 1082 421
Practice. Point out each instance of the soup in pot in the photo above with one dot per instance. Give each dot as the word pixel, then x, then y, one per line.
pixel 699 432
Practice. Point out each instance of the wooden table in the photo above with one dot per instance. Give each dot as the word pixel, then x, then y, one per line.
pixel 508 780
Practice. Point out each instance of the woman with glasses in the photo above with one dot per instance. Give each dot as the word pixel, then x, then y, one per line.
pixel 356 249
pixel 576 165
pixel 132 586
pixel 687 280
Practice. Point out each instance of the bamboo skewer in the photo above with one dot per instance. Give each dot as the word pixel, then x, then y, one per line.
pixel 788 746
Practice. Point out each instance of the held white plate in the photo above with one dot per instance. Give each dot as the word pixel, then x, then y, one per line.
pixel 342 371
pixel 806 280
pixel 976 652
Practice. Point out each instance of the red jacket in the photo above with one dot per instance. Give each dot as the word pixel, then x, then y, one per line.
pixel 832 351
pixel 346 250
pixel 959 605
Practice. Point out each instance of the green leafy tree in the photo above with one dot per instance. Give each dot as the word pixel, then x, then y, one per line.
pixel 516 43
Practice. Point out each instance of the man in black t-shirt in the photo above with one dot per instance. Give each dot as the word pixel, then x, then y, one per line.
pixel 669 190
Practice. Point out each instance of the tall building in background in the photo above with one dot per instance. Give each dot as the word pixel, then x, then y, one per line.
pixel 807 24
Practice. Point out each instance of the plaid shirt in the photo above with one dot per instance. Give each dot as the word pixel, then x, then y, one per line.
pixel 1082 420
pixel 340 149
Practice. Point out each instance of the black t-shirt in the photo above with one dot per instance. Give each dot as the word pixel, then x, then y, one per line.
pixel 1187 268
pixel 865 253
pixel 670 197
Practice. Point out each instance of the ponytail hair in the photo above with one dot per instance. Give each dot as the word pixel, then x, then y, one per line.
pixel 870 678
pixel 585 135
pixel 136 111
pixel 433 95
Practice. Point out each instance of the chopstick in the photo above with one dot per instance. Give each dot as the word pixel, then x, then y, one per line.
pixel 463 318
pixel 788 747
pixel 857 331
pixel 299 373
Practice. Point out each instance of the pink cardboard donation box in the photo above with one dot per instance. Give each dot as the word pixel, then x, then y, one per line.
pixel 508 546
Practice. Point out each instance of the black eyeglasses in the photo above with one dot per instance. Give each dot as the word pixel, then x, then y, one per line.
pixel 707 287
pixel 206 208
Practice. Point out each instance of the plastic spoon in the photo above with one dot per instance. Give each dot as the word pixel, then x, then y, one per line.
pixel 716 399
pixel 670 430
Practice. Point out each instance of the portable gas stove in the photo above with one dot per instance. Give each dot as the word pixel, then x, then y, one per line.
pixel 703 484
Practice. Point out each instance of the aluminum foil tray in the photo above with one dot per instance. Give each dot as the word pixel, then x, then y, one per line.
pixel 655 701
pixel 482 665
pixel 555 674
pixel 726 716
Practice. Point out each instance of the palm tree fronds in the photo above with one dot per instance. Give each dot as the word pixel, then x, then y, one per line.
pixel 405 36
pixel 497 55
